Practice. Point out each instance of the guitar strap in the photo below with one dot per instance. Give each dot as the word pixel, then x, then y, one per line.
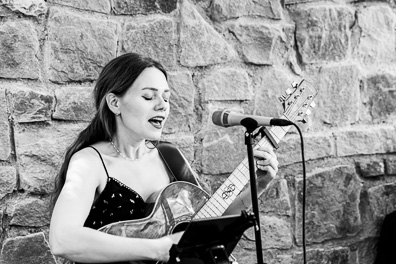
pixel 176 162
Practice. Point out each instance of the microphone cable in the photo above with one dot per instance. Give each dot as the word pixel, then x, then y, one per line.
pixel 304 187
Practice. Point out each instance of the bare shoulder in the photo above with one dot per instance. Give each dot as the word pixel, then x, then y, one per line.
pixel 85 165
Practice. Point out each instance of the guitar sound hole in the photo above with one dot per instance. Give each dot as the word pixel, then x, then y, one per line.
pixel 180 227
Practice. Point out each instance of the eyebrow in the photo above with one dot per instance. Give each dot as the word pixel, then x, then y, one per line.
pixel 154 89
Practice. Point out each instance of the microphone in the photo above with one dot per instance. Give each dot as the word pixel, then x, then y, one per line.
pixel 228 118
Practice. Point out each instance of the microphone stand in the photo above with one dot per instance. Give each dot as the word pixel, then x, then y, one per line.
pixel 250 124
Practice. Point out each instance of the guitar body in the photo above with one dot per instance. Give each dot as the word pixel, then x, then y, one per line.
pixel 169 209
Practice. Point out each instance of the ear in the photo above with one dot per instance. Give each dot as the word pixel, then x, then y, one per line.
pixel 113 103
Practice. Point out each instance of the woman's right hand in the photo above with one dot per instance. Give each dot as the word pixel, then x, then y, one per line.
pixel 165 244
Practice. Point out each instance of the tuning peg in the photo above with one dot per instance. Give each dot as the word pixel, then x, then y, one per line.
pixel 313 104
pixel 294 85
pixel 308 112
pixel 304 120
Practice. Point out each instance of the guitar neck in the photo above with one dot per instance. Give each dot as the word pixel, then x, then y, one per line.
pixel 232 187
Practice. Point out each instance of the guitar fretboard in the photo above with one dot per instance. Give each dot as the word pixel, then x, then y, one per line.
pixel 232 187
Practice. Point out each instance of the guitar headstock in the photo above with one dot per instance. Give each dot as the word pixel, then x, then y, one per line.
pixel 298 100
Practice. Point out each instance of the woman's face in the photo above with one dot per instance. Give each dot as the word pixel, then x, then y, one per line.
pixel 144 108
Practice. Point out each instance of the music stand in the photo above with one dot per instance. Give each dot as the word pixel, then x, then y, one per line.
pixel 210 240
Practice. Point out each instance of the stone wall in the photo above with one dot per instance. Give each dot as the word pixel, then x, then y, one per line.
pixel 240 54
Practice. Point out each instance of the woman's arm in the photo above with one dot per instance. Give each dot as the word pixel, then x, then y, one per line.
pixel 69 239
pixel 267 165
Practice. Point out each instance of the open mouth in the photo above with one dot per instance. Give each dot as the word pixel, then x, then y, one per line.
pixel 157 121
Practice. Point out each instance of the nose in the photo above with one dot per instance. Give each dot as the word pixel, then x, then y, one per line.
pixel 161 105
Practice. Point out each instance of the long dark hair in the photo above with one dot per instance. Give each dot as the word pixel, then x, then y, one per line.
pixel 116 77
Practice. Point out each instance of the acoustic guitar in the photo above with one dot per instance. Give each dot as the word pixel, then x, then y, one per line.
pixel 180 202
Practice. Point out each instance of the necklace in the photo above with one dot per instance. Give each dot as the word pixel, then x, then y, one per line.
pixel 122 155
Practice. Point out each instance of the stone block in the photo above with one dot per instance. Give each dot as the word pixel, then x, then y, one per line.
pixel 32 249
pixel 30 104
pixel 200 43
pixel 19 48
pixel 333 255
pixel 154 38
pixel 259 42
pixel 382 200
pixel 316 146
pixel 371 168
pixel 101 6
pixel 332 207
pixel 28 7
pixel 376 37
pixel 134 7
pixel 379 95
pixel 8 180
pixel 268 85
pixel 223 151
pixel 230 9
pixel 275 231
pixel 323 32
pixel 225 84
pixel 74 103
pixel 338 100
pixel 181 117
pixel 365 140
pixel 39 160
pixel 5 142
pixel 275 198
pixel 79 47
pixel 30 212
pixel 390 165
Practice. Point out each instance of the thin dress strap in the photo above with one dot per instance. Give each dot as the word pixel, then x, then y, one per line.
pixel 101 160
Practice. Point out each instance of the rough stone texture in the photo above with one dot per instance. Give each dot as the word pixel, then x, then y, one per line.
pixel 32 249
pixel 226 84
pixel 323 33
pixel 371 168
pixel 27 7
pixel 316 146
pixel 379 96
pixel 391 165
pixel 332 208
pixel 377 37
pixel 30 104
pixel 8 180
pixel 181 116
pixel 39 160
pixel 102 6
pixel 275 198
pixel 360 140
pixel 260 43
pixel 275 231
pixel 74 103
pixel 153 38
pixel 5 143
pixel 229 9
pixel 32 212
pixel 269 84
pixel 200 44
pixel 216 146
pixel 338 255
pixel 382 200
pixel 79 47
pixel 19 47
pixel 134 7
pixel 338 104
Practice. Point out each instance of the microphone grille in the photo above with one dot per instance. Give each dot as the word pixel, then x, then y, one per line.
pixel 216 117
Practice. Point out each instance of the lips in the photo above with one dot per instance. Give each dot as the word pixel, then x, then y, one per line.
pixel 157 121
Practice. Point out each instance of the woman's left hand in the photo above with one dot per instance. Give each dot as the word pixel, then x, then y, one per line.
pixel 266 162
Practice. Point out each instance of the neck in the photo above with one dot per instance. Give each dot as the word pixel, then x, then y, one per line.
pixel 133 150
